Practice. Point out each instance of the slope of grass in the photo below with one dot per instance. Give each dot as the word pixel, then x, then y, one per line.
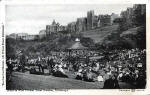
pixel 99 34
pixel 131 31
pixel 21 81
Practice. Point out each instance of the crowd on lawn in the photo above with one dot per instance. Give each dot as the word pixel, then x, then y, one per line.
pixel 110 67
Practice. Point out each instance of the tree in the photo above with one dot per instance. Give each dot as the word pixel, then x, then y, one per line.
pixel 139 17
pixel 10 51
pixel 88 42
pixel 141 37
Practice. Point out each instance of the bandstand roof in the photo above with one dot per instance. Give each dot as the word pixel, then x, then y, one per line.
pixel 77 46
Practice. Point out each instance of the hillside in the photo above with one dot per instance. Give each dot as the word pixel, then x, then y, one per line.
pixel 107 36
pixel 131 38
pixel 99 34
pixel 131 31
pixel 135 37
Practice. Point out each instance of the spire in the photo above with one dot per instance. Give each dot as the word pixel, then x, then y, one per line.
pixel 54 23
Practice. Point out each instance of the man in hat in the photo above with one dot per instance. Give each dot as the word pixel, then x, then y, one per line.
pixel 22 60
pixel 111 83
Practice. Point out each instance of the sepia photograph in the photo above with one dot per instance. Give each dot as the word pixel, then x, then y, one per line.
pixel 75 46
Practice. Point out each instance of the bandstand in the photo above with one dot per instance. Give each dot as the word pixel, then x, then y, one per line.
pixel 78 52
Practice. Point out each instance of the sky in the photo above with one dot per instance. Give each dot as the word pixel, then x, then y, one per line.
pixel 33 18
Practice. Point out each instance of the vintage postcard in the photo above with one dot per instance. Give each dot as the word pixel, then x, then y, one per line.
pixel 97 48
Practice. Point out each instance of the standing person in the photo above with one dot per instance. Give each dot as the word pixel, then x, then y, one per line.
pixel 22 61
pixel 40 65
pixel 115 81
pixel 111 83
pixel 9 65
pixel 9 70
pixel 140 81
pixel 50 65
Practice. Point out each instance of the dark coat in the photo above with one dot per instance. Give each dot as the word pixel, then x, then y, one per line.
pixel 111 84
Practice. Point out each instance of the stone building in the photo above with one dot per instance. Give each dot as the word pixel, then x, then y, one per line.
pixel 81 24
pixel 99 23
pixel 61 28
pixel 104 20
pixel 13 35
pixel 90 20
pixel 71 27
pixel 54 27
pixel 128 15
pixel 29 37
pixel 95 22
pixel 23 36
pixel 113 17
pixel 141 7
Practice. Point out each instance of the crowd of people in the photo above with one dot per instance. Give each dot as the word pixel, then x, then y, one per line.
pixel 109 67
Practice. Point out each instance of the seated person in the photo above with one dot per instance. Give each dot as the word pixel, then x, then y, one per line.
pixel 79 76
pixel 33 71
pixel 100 78
pixel 88 76
pixel 59 72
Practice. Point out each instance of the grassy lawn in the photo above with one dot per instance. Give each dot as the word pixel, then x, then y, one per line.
pixel 24 81
pixel 99 34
